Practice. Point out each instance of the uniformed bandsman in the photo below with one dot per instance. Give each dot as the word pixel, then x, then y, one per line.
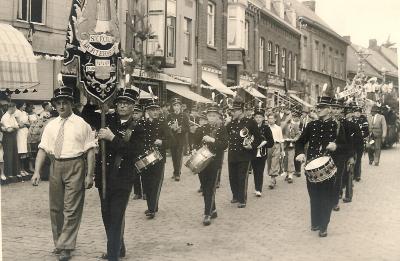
pixel 358 144
pixel 346 158
pixel 324 137
pixel 178 122
pixel 156 138
pixel 244 137
pixel 122 148
pixel 138 192
pixel 214 136
pixel 362 122
pixel 258 163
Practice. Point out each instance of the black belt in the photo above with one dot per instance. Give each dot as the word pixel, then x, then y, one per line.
pixel 68 159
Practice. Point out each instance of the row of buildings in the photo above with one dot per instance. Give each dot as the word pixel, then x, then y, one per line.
pixel 271 51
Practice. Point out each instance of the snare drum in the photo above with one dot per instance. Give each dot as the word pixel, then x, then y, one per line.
pixel 199 160
pixel 320 169
pixel 150 158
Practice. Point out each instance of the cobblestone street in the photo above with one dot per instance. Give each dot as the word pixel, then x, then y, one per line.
pixel 273 227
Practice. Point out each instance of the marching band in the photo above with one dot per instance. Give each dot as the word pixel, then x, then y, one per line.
pixel 327 149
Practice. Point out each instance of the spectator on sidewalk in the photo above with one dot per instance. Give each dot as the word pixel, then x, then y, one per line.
pixel 9 126
pixel 377 130
pixel 22 137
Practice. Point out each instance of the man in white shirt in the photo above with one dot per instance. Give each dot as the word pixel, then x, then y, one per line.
pixel 67 140
pixel 276 152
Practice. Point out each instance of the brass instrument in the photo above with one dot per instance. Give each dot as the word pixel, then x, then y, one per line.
pixel 248 139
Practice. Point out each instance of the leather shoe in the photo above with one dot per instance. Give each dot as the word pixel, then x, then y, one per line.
pixel 151 215
pixel 207 220
pixel 323 233
pixel 336 208
pixel 199 190
pixel 177 178
pixel 56 251
pixel 376 163
pixel 370 162
pixel 314 228
pixel 233 201
pixel 242 205
pixel 136 197
pixel 358 179
pixel 347 200
pixel 65 255
pixel 214 214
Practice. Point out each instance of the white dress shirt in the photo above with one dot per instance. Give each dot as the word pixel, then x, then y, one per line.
pixel 276 133
pixel 9 121
pixel 78 137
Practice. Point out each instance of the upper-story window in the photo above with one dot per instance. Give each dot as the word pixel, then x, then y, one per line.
pixel 342 69
pixel 187 36
pixel 283 61
pixel 295 67
pixel 316 56
pixel 261 54
pixel 211 24
pixel 290 65
pixel 305 41
pixel 236 26
pixel 156 43
pixel 32 11
pixel 269 49
pixel 171 29
pixel 246 35
pixel 329 65
pixel 277 59
pixel 323 57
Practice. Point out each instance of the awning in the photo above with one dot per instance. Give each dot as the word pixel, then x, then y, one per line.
pixel 250 90
pixel 158 76
pixel 213 80
pixel 143 94
pixel 184 91
pixel 297 98
pixel 18 69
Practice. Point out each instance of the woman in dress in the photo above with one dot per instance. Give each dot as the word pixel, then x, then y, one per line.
pixel 22 137
pixel 9 126
pixel 32 149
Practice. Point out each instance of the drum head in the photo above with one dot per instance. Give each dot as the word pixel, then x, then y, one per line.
pixel 316 163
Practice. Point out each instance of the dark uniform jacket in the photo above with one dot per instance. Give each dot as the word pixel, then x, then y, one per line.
pixel 363 124
pixel 266 135
pixel 237 152
pixel 319 133
pixel 183 122
pixel 357 138
pixel 220 136
pixel 121 152
pixel 153 130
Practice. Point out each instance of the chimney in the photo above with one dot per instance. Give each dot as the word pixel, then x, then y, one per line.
pixel 373 43
pixel 279 8
pixel 347 38
pixel 310 4
pixel 268 4
pixel 291 14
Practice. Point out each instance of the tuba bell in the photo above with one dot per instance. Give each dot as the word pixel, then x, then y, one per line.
pixel 248 139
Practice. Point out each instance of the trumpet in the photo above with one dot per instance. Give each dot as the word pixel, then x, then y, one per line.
pixel 248 139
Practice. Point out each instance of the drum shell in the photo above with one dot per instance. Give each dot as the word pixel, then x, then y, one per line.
pixel 321 173
pixel 148 159
pixel 200 160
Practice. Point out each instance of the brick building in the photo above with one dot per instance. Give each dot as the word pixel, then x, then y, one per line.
pixel 44 24
pixel 264 50
pixel 323 52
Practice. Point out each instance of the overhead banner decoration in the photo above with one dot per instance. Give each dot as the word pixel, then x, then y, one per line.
pixel 93 42
pixel 348 92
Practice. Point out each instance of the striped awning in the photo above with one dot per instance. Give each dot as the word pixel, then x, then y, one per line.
pixel 18 72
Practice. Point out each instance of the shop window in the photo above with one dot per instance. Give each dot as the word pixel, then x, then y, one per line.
pixel 32 11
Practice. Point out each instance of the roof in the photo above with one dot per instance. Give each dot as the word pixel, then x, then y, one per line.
pixel 352 62
pixel 390 54
pixel 375 62
pixel 304 11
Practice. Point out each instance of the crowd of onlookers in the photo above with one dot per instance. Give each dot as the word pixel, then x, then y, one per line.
pixel 21 127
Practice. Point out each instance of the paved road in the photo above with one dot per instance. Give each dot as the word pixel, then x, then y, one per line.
pixel 274 227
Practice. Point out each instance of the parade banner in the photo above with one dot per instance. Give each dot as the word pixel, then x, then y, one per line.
pixel 348 92
pixel 93 40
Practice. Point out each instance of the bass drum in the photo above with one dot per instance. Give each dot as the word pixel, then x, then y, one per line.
pixel 320 169
pixel 199 160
